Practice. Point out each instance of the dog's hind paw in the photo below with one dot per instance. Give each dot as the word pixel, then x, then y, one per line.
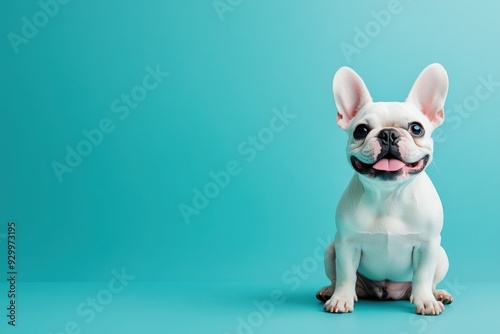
pixel 443 296
pixel 325 293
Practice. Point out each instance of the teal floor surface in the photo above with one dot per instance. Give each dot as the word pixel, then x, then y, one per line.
pixel 142 308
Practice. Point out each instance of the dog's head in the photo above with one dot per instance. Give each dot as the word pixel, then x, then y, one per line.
pixel 390 141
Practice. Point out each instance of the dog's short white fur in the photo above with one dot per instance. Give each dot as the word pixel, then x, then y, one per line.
pixel 389 219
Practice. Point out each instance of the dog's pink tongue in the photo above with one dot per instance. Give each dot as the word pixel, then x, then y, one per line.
pixel 389 165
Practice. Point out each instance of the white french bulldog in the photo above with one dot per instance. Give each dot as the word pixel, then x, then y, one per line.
pixel 389 219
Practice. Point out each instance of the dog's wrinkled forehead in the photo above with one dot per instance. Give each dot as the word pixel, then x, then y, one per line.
pixel 381 115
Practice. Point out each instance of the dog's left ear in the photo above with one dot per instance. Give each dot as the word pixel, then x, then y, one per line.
pixel 429 93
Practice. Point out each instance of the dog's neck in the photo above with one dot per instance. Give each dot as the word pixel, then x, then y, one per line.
pixel 378 191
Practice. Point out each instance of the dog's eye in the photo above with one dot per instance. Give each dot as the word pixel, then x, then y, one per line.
pixel 361 132
pixel 416 129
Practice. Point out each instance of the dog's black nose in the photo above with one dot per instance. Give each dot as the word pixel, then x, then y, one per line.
pixel 388 137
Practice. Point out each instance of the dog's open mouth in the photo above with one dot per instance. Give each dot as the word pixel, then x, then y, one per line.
pixel 389 167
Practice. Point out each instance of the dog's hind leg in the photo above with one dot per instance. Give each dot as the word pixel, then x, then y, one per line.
pixel 441 269
pixel 326 292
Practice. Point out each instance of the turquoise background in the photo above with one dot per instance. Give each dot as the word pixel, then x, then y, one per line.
pixel 120 206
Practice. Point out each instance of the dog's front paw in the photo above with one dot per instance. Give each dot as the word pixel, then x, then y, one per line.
pixel 340 304
pixel 427 305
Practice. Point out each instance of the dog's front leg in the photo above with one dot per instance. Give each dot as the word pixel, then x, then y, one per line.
pixel 424 266
pixel 348 255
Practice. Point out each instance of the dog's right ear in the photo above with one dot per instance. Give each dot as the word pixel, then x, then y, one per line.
pixel 350 94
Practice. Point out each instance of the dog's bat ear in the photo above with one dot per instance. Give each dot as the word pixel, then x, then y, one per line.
pixel 350 94
pixel 429 93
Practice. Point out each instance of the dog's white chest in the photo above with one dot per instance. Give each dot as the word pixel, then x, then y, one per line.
pixel 386 256
pixel 386 241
